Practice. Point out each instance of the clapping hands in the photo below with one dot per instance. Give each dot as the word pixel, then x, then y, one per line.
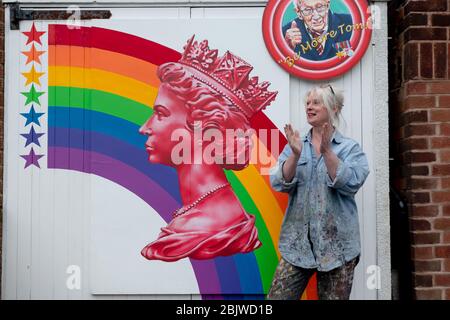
pixel 327 132
pixel 293 138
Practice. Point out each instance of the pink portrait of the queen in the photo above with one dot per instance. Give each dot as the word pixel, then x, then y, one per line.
pixel 205 93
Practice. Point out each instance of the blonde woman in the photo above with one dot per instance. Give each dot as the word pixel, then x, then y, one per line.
pixel 321 172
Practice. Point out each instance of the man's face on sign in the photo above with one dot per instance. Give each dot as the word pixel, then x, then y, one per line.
pixel 314 13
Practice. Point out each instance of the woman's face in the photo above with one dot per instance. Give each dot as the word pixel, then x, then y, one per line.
pixel 169 114
pixel 316 112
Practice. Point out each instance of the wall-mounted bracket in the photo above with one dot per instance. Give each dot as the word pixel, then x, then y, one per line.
pixel 18 14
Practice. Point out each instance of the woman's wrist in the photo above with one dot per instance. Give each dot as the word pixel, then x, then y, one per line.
pixel 295 155
pixel 328 152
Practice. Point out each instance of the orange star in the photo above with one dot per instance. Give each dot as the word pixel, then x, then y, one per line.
pixel 34 35
pixel 33 55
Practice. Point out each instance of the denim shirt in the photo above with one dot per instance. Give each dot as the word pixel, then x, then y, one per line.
pixel 320 227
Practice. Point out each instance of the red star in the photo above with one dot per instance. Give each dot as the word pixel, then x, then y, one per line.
pixel 34 35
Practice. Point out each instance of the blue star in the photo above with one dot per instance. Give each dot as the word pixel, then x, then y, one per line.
pixel 32 116
pixel 32 137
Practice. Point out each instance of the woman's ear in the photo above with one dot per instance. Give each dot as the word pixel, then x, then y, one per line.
pixel 335 109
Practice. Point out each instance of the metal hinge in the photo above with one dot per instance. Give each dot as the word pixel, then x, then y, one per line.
pixel 18 14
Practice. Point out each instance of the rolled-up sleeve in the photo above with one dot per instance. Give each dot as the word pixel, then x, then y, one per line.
pixel 276 173
pixel 351 172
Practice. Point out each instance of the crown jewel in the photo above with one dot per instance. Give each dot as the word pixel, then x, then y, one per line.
pixel 228 75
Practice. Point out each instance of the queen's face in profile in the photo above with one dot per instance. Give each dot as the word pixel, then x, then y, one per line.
pixel 169 114
pixel 198 92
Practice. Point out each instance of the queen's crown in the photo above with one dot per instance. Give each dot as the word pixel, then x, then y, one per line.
pixel 227 73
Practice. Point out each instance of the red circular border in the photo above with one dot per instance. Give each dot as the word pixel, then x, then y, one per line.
pixel 304 63
pixel 304 68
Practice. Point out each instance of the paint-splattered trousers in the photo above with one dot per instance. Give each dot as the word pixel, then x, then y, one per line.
pixel 290 281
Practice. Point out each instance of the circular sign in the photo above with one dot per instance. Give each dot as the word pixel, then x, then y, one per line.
pixel 317 39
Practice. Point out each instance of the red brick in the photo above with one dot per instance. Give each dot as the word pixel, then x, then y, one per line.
pixel 421 252
pixel 423 280
pixel 442 251
pixel 420 130
pixel 427 265
pixel 416 88
pixel 418 197
pixel 440 19
pixel 416 157
pixel 425 34
pixel 440 60
pixel 420 225
pixel 428 294
pixel 425 6
pixel 426 56
pixel 440 115
pixel 419 102
pixel 444 129
pixel 445 183
pixel 414 116
pixel 446 210
pixel 426 183
pixel 447 294
pixel 442 223
pixel 446 237
pixel 425 211
pixel 442 279
pixel 425 237
pixel 411 61
pixel 439 87
pixel 440 196
pixel 440 142
pixel 446 265
pixel 444 101
pixel 441 169
pixel 418 171
pixel 413 144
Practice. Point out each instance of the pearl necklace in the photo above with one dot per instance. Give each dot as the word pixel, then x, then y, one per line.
pixel 183 210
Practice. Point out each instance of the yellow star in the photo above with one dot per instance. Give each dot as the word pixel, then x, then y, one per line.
pixel 33 76
pixel 341 54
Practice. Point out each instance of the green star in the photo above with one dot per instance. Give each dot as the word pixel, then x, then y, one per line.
pixel 33 95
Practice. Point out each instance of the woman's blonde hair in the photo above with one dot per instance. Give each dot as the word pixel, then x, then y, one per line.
pixel 331 97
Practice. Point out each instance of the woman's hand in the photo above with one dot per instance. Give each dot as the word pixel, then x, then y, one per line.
pixel 290 165
pixel 293 138
pixel 330 158
pixel 327 132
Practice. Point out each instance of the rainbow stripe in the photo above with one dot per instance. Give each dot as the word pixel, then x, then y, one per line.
pixel 102 84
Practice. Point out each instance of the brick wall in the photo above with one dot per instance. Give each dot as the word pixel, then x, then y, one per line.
pixel 420 135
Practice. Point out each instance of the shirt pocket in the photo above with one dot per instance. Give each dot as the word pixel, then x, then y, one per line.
pixel 302 170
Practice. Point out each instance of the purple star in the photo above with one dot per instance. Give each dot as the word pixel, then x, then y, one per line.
pixel 32 159
pixel 32 137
